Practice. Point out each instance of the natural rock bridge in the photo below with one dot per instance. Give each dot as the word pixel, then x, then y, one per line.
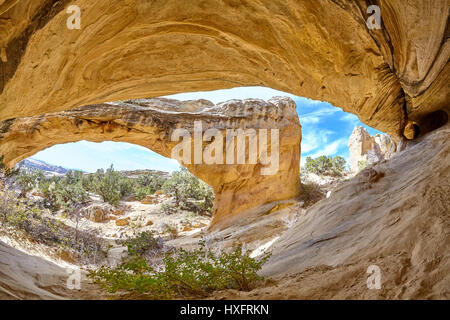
pixel 239 188
pixel 394 79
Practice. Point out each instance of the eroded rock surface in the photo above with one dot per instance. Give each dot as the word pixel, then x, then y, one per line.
pixel 319 49
pixel 394 215
pixel 367 149
pixel 151 122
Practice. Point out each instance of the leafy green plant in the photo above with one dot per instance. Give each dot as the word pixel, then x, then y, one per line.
pixel 64 193
pixel 183 273
pixel 147 184
pixel 28 217
pixel 168 208
pixel 324 165
pixel 111 185
pixel 184 187
pixel 142 243
pixel 27 181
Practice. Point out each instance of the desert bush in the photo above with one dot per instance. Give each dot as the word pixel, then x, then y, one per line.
pixel 147 184
pixel 27 216
pixel 143 243
pixel 195 273
pixel 27 181
pixel 87 182
pixel 64 193
pixel 324 165
pixel 184 187
pixel 111 185
pixel 311 193
pixel 8 203
pixel 169 208
pixel 141 192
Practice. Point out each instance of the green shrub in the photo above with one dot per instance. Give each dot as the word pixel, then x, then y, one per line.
pixel 27 181
pixel 28 217
pixel 195 273
pixel 184 187
pixel 88 182
pixel 64 193
pixel 111 185
pixel 141 192
pixel 324 165
pixel 142 243
pixel 168 208
pixel 147 184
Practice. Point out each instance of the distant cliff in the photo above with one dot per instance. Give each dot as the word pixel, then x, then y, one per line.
pixel 367 149
pixel 38 165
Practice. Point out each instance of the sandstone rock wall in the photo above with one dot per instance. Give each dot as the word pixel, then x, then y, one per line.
pixel 393 215
pixel 151 122
pixel 320 49
pixel 366 148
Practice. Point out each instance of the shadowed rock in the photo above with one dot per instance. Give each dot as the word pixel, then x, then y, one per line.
pixel 319 49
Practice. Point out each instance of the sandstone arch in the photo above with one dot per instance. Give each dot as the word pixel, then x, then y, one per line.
pixel 240 189
pixel 320 49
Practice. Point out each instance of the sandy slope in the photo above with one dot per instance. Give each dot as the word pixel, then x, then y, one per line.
pixel 395 216
pixel 25 276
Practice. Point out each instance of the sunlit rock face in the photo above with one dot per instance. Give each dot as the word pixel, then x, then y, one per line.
pixel 319 49
pixel 367 149
pixel 242 187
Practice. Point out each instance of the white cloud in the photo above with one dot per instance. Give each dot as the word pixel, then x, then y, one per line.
pixel 323 111
pixel 307 101
pixel 351 119
pixel 330 149
pixel 314 138
pixel 310 120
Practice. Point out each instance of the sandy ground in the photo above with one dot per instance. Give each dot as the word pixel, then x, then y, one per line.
pixel 28 272
pixel 394 215
pixel 142 217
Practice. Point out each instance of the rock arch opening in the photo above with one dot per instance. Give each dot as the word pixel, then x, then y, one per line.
pixel 240 188
pixel 87 157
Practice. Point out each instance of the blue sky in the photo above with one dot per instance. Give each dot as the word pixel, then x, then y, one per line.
pixel 325 131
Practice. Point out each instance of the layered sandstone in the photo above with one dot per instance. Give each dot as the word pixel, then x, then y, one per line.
pixel 394 215
pixel 320 49
pixel 369 149
pixel 238 186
